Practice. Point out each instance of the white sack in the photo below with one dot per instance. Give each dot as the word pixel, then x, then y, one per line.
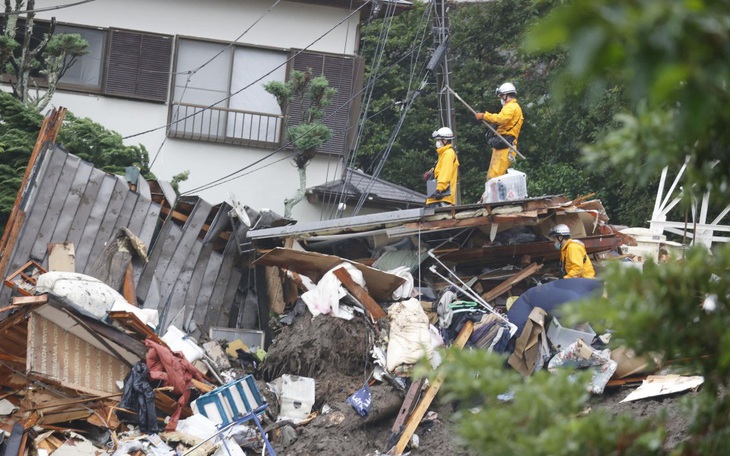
pixel 325 297
pixel 88 293
pixel 410 336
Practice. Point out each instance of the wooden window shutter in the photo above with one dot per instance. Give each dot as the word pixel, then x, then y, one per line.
pixel 139 65
pixel 342 74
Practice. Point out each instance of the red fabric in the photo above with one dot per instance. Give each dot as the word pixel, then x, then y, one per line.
pixel 174 370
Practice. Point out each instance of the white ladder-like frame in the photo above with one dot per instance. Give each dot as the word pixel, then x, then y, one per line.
pixel 697 228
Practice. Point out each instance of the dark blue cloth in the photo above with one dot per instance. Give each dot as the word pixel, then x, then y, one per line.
pixel 360 400
pixel 549 296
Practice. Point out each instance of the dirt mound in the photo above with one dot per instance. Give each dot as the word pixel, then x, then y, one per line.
pixel 333 351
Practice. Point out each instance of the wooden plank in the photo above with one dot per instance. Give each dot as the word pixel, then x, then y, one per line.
pixel 510 282
pixel 54 211
pixel 193 312
pixel 275 290
pixel 36 299
pixel 405 410
pixel 360 294
pixel 75 232
pixel 225 275
pixel 415 419
pixel 314 265
pixel 93 223
pixel 12 231
pixel 129 289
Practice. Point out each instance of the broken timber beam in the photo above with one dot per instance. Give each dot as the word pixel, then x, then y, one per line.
pixel 359 293
pixel 415 419
pixel 48 133
pixel 510 282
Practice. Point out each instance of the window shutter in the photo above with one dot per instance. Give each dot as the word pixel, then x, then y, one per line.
pixel 139 65
pixel 341 72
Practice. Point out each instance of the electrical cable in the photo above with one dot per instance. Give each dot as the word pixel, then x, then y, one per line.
pixel 378 56
pixel 250 84
pixel 232 176
pixel 386 152
pixel 48 8
pixel 192 72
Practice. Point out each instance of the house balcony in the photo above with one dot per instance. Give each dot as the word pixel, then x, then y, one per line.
pixel 225 126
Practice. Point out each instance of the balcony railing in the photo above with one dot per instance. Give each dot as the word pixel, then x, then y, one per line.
pixel 224 125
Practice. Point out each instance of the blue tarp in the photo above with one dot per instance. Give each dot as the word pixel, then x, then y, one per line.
pixel 549 296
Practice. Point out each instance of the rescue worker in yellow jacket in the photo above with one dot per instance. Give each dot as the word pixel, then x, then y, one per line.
pixel 446 171
pixel 509 123
pixel 574 261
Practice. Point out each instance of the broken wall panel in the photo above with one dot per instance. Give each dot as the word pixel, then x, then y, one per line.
pixel 60 356
pixel 107 229
pixel 55 205
pixel 187 249
pixel 69 201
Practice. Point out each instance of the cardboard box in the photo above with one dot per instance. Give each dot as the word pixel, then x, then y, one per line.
pixel 560 336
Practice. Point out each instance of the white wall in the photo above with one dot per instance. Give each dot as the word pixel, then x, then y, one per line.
pixel 288 25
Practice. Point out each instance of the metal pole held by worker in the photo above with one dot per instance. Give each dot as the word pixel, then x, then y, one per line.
pixel 511 147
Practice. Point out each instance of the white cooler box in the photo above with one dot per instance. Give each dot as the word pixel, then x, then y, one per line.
pixel 512 186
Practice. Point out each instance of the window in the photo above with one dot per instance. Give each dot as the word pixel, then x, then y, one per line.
pixel 343 74
pixel 219 93
pixel 86 72
pixel 139 65
pixel 118 62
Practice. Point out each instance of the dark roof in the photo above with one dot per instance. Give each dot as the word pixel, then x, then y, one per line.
pixel 193 271
pixel 380 193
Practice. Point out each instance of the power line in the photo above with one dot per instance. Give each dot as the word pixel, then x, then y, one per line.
pixel 232 176
pixel 48 8
pixel 250 84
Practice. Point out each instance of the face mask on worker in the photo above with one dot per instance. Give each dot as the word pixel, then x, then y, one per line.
pixel 502 99
pixel 439 144
pixel 557 245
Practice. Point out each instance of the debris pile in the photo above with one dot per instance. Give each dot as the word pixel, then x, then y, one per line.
pixel 137 322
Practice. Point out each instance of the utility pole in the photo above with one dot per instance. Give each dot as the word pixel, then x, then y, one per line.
pixel 440 65
pixel 443 77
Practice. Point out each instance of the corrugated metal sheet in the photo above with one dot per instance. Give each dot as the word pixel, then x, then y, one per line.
pixel 68 200
pixel 193 273
pixel 192 277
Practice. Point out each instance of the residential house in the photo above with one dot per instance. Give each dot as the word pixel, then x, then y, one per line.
pixel 185 79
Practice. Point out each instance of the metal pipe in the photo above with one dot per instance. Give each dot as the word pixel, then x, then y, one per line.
pixel 511 147
pixel 464 288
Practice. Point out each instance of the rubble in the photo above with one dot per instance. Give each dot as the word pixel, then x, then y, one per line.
pixel 139 322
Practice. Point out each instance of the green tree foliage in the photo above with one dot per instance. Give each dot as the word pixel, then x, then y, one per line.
pixel 485 51
pixel 19 127
pixel 306 135
pixel 26 55
pixel 672 57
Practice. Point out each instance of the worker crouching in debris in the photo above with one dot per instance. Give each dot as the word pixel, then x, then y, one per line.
pixel 441 180
pixel 509 122
pixel 574 261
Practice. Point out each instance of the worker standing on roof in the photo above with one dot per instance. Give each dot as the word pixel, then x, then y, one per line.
pixel 443 177
pixel 574 261
pixel 509 122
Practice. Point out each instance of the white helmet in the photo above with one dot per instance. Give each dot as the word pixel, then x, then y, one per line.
pixel 443 133
pixel 559 230
pixel 505 88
